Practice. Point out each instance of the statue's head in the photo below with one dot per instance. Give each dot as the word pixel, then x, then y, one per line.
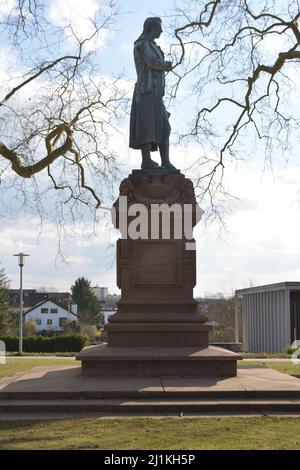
pixel 153 27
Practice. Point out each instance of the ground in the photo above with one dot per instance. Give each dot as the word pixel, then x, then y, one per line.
pixel 252 432
pixel 153 433
pixel 21 364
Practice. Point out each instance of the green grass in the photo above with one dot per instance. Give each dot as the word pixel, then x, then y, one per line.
pixel 59 354
pixel 265 355
pixel 153 433
pixel 284 367
pixel 18 364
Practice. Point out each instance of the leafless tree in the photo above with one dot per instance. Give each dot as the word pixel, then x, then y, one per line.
pixel 240 60
pixel 57 112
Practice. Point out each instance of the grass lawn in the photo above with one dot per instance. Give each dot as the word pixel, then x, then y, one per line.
pixel 19 364
pixel 284 367
pixel 153 433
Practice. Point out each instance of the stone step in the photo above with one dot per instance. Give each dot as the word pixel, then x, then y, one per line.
pixel 114 406
pixel 155 395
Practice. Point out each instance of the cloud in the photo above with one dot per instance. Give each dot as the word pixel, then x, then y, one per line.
pixel 44 267
pixel 275 43
pixel 78 16
pixel 7 7
pixel 262 242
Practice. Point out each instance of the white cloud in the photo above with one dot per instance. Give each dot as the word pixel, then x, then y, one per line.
pixel 44 267
pixel 274 43
pixel 7 6
pixel 78 16
pixel 8 67
pixel 262 243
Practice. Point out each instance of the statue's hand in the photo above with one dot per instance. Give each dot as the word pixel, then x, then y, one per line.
pixel 168 66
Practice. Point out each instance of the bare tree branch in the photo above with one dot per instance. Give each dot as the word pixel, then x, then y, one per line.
pixel 236 58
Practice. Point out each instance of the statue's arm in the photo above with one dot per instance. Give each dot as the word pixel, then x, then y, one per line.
pixel 152 60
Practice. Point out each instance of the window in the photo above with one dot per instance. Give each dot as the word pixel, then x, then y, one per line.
pixel 44 310
pixel 38 321
pixel 62 321
pixel 49 322
pixel 53 310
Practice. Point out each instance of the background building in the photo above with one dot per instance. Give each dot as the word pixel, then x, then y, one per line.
pixel 101 293
pixel 50 316
pixel 32 297
pixel 271 316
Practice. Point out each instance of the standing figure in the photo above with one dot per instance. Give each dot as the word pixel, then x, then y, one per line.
pixel 149 119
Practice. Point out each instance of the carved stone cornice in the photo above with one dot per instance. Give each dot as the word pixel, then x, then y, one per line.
pixel 158 188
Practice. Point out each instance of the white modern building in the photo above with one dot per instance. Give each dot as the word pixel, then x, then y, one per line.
pixel 49 315
pixel 100 292
pixel 271 316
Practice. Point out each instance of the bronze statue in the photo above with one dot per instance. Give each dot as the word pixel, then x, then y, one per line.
pixel 149 119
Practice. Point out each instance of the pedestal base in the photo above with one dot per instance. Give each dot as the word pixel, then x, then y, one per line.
pixel 163 334
pixel 107 361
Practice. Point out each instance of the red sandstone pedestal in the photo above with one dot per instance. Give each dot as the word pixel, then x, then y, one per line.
pixel 157 329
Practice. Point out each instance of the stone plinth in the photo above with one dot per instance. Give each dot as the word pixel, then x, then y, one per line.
pixel 157 329
pixel 158 361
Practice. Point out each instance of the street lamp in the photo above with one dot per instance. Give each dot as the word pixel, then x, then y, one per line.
pixel 21 264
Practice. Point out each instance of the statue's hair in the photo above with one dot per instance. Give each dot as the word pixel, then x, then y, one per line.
pixel 150 22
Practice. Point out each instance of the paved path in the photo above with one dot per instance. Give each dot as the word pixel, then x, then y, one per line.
pixel 65 379
pixel 62 392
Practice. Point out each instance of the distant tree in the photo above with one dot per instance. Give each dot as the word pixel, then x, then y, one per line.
pixel 221 311
pixel 89 307
pixel 57 109
pixel 6 315
pixel 89 331
pixel 29 328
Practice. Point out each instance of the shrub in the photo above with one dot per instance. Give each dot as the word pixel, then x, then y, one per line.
pixel 43 344
pixel 89 331
pixel 290 349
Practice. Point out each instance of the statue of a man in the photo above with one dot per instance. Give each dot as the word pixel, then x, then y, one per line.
pixel 149 119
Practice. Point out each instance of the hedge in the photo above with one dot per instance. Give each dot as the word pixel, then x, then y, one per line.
pixel 41 344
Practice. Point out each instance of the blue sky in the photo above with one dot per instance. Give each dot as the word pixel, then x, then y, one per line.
pixel 261 241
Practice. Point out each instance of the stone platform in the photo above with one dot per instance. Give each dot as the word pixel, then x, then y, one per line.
pixel 59 391
pixel 158 361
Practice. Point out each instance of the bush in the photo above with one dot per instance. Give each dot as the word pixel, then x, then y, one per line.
pixel 89 331
pixel 43 344
pixel 290 349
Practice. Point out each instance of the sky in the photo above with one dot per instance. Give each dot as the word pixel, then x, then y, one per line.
pixel 259 245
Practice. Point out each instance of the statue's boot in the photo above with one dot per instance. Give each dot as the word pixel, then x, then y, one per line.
pixel 168 166
pixel 148 164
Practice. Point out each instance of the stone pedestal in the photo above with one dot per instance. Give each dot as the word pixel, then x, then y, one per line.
pixel 157 329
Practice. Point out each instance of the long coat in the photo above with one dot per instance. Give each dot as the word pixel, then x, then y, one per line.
pixel 149 118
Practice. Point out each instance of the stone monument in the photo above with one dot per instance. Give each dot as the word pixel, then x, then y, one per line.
pixel 157 329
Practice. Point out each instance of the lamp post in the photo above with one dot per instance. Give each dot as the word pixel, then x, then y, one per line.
pixel 21 264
